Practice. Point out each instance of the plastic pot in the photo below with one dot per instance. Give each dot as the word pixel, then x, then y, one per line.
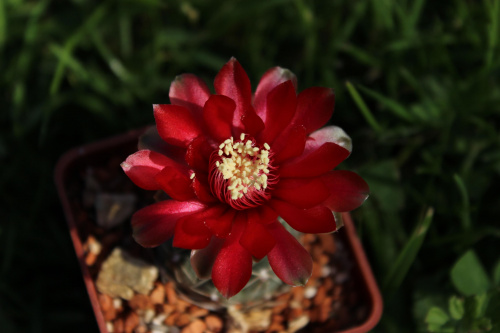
pixel 78 158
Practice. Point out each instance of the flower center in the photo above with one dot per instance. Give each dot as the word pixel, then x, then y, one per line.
pixel 241 172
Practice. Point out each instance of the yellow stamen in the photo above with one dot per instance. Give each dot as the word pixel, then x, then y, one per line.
pixel 244 165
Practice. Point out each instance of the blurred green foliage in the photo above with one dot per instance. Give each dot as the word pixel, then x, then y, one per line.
pixel 417 85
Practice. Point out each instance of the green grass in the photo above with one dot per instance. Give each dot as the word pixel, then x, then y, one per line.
pixel 421 102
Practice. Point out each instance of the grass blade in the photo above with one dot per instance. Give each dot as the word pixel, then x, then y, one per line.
pixel 492 33
pixel 407 256
pixel 465 216
pixel 3 24
pixel 370 119
pixel 396 108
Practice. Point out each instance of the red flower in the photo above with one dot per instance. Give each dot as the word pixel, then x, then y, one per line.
pixel 232 163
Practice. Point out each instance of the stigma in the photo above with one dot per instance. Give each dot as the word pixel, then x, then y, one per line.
pixel 241 172
pixel 243 165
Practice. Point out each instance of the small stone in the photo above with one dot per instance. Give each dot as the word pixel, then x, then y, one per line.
pixel 296 324
pixel 119 325
pixel 323 259
pixel 93 245
pixel 298 293
pixel 157 296
pixel 326 271
pixel 117 303
pixel 295 313
pixel 320 295
pixel 182 305
pixel 253 320
pixel 295 304
pixel 196 312
pixel 214 323
pixel 114 209
pixel 131 322
pixel 141 329
pixel 148 315
pixel 107 308
pixel 325 309
pixel 121 275
pixel 90 259
pixel 275 327
pixel 170 320
pixel 170 293
pixel 105 301
pixel 316 271
pixel 308 238
pixel 183 320
pixel 310 292
pixel 168 309
pixel 159 319
pixel 197 326
pixel 161 329
pixel 327 242
pixel 316 252
pixel 140 302
pixel 277 318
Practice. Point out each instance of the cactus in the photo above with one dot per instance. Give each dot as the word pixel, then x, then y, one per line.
pixel 175 266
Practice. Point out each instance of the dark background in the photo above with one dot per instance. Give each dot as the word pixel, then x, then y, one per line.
pixel 417 88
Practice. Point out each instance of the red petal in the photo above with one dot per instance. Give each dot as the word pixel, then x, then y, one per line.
pixel 329 134
pixel 202 260
pixel 202 188
pixel 154 224
pixel 198 154
pixel 189 91
pixel 290 144
pixel 176 125
pixel 252 122
pixel 184 240
pixel 315 163
pixel 314 108
pixel 316 220
pixel 347 190
pixel 175 181
pixel 233 266
pixel 262 214
pixel 257 240
pixel 233 82
pixel 191 232
pixel 151 140
pixel 142 167
pixel 195 224
pixel 269 80
pixel 302 192
pixel 281 105
pixel 218 115
pixel 221 225
pixel 288 259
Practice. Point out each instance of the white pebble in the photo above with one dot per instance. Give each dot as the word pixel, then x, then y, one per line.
pixel 159 319
pixel 325 271
pixel 310 292
pixel 148 315
pixel 117 303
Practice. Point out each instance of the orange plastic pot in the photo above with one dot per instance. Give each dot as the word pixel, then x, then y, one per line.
pixel 127 144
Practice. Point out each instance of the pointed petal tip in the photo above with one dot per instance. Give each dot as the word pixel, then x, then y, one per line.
pixel 125 166
pixel 301 282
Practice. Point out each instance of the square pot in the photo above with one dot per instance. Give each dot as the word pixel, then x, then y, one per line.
pixel 74 162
